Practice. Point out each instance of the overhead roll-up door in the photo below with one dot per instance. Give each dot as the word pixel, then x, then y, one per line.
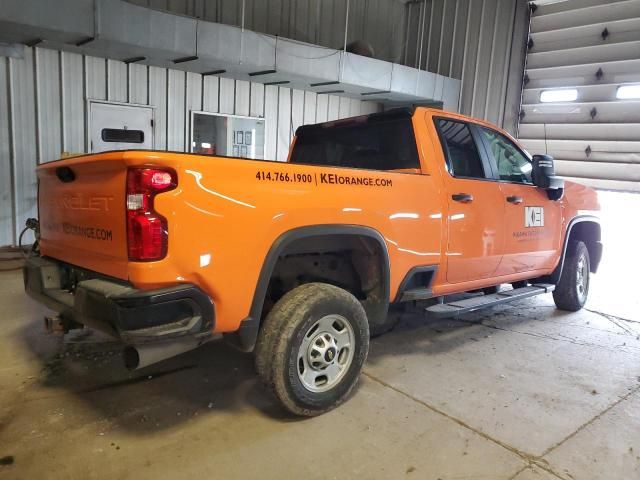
pixel 581 52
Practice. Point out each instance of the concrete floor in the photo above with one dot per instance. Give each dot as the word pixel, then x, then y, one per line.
pixel 522 392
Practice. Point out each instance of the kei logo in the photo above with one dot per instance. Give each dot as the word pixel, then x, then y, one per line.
pixel 533 217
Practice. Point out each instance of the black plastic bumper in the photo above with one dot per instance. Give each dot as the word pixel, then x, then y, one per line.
pixel 134 316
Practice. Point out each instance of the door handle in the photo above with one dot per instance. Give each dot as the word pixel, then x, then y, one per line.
pixel 514 199
pixel 462 197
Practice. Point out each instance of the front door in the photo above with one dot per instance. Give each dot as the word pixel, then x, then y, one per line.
pixel 475 206
pixel 532 221
pixel 120 127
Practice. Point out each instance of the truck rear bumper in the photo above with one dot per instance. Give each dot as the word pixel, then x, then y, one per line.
pixel 134 316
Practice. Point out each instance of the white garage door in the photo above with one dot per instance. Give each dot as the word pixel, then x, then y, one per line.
pixel 581 98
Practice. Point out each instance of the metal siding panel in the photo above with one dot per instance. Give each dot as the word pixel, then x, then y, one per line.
pixel 159 4
pixel 354 107
pixel 227 95
pixel 116 81
pixel 6 179
pixel 273 16
pixel 271 121
pixel 297 110
pixel 175 110
pixel 515 70
pixel 458 43
pixel 23 131
pixel 310 99
pixel 193 103
pixel 494 104
pixel 445 47
pixel 178 6
pixel 344 107
pixel 322 108
pixel 73 103
pixel 434 39
pixel 484 58
pixel 370 107
pixel 333 110
pixel 96 73
pixel 284 124
pixel 138 83
pixel 49 105
pixel 256 108
pixel 158 99
pixel 210 85
pixel 243 97
pixel 470 59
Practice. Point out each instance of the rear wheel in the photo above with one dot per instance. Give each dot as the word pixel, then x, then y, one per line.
pixel 573 288
pixel 312 347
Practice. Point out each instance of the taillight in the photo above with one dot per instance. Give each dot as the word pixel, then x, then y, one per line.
pixel 147 230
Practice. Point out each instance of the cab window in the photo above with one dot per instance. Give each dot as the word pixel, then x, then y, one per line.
pixel 460 148
pixel 512 165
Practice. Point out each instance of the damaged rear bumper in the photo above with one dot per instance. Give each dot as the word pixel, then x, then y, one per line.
pixel 116 308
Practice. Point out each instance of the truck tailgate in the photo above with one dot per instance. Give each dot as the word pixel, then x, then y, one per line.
pixel 81 204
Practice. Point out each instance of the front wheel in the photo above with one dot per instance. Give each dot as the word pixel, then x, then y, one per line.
pixel 312 347
pixel 573 288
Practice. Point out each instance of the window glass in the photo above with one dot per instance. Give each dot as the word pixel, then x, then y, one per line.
pixel 381 145
pixel 121 135
pixel 513 165
pixel 229 136
pixel 464 159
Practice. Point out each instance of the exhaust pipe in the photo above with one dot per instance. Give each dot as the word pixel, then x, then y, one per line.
pixel 143 355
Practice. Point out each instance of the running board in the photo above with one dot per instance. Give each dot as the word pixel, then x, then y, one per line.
pixel 456 308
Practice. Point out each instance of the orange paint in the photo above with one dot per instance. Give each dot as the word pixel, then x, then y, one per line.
pixel 225 215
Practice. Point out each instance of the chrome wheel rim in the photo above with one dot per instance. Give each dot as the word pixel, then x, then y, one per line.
pixel 582 278
pixel 326 353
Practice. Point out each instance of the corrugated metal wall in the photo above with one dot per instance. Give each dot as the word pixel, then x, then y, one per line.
pixel 594 47
pixel 481 42
pixel 43 103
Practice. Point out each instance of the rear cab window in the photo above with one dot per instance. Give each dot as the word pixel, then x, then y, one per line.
pixel 371 143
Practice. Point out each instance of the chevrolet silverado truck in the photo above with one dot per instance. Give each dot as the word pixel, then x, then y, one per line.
pixel 300 261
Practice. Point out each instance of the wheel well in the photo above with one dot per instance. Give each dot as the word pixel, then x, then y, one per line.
pixel 349 256
pixel 588 232
pixel 355 263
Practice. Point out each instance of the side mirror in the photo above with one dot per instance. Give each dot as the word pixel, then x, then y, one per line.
pixel 544 176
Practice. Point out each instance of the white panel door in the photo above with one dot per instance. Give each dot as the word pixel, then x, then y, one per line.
pixel 120 127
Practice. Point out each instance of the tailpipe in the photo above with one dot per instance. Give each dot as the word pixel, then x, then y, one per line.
pixel 140 356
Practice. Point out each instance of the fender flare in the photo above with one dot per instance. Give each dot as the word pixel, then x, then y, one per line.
pixel 246 335
pixel 554 277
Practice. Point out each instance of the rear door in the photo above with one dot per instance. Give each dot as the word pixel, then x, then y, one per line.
pixel 532 221
pixel 120 127
pixel 475 205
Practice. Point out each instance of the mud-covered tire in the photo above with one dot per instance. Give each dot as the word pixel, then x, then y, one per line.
pixel 573 288
pixel 290 336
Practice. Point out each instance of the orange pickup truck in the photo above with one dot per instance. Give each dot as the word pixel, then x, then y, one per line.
pixel 300 262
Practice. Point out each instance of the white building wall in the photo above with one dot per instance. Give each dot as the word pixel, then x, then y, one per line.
pixel 43 113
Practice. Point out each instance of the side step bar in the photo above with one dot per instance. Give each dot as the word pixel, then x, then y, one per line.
pixel 457 308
